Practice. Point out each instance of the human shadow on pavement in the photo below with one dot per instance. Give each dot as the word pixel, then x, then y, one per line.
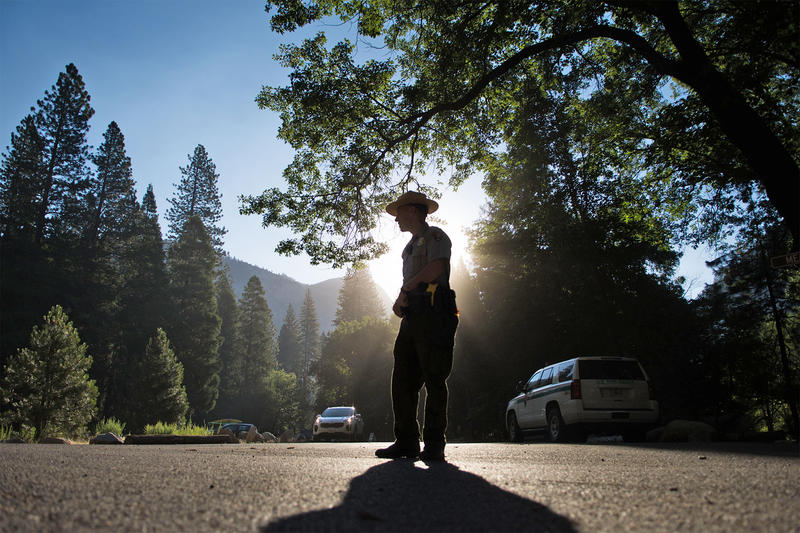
pixel 402 495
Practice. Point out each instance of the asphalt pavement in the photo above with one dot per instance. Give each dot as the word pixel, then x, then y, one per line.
pixel 343 487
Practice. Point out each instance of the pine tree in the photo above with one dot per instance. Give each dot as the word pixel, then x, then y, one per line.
pixel 142 299
pixel 157 391
pixel 46 385
pixel 194 323
pixel 289 343
pixel 229 351
pixel 110 230
pixel 62 120
pixel 20 306
pixel 309 340
pixel 358 298
pixel 143 294
pixel 256 333
pixel 21 166
pixel 149 204
pixel 44 176
pixel 197 195
pixel 309 354
pixel 111 200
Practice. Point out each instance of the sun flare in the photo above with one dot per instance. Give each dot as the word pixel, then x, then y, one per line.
pixel 387 270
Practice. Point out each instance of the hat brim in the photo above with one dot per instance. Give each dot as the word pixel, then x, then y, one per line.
pixel 430 204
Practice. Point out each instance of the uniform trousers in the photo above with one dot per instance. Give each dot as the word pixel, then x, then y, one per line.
pixel 423 355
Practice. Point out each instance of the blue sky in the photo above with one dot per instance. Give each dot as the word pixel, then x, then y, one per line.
pixel 174 74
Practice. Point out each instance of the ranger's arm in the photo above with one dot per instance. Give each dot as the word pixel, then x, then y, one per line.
pixel 428 274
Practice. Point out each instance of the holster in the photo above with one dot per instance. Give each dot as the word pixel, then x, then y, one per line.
pixel 440 309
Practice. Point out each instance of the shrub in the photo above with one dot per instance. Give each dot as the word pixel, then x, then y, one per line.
pixel 160 428
pixel 110 425
pixel 190 429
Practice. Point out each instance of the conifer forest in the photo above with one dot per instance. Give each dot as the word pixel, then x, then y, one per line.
pixel 609 137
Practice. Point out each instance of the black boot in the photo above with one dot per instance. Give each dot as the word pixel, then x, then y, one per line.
pixel 399 450
pixel 432 452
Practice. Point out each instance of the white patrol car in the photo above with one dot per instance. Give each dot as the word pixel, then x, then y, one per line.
pixel 584 394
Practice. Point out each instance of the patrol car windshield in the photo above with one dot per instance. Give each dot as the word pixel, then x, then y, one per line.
pixel 609 369
pixel 338 411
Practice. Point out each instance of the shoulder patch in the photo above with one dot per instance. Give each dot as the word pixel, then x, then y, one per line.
pixel 437 234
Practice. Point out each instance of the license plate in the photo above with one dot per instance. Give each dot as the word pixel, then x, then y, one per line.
pixel 612 393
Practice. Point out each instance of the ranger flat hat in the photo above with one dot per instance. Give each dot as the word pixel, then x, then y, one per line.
pixel 411 198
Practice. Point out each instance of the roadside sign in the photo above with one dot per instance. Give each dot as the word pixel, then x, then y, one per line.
pixel 785 261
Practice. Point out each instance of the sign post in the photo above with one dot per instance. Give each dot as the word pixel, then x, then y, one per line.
pixel 785 261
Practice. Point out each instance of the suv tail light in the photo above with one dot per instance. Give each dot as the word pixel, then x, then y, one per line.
pixel 575 389
pixel 650 394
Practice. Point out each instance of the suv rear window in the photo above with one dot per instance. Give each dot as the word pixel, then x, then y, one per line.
pixel 609 369
pixel 566 370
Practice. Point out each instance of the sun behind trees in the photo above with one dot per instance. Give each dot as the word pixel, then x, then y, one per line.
pixel 610 136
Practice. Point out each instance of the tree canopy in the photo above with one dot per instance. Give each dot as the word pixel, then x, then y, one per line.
pixel 707 85
pixel 197 195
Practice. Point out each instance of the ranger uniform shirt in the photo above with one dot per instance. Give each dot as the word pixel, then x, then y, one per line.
pixel 431 245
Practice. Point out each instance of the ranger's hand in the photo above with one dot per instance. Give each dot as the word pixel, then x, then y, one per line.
pixel 399 304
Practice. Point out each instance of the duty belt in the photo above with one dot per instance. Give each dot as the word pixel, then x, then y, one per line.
pixel 430 296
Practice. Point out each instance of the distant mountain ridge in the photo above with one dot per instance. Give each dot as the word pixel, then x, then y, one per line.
pixel 280 290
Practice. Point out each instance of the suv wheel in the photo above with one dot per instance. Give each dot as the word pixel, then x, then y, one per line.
pixel 556 428
pixel 514 431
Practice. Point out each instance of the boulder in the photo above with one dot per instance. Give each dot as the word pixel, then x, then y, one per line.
pixel 269 437
pixel 253 435
pixel 226 432
pixel 286 436
pixel 687 431
pixel 54 440
pixel 13 440
pixel 106 438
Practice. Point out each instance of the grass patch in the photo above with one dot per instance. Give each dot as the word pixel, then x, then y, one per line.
pixel 26 433
pixel 161 428
pixel 110 425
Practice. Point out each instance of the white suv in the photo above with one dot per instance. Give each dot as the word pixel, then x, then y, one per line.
pixel 571 398
pixel 341 422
